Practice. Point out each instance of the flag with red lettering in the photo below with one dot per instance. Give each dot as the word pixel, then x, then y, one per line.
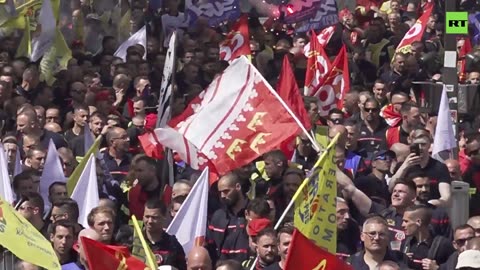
pixel 103 257
pixel 334 85
pixel 235 120
pixel 304 254
pixel 318 65
pixel 416 31
pixel 323 38
pixel 237 42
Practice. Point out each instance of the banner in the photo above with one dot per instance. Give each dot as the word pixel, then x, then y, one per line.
pixel 215 11
pixel 237 42
pixel 24 240
pixel 44 41
pixel 416 31
pixel 164 100
pixel 474 20
pixel 315 202
pixel 312 14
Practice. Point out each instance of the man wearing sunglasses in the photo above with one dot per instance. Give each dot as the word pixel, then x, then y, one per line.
pixel 462 235
pixel 372 130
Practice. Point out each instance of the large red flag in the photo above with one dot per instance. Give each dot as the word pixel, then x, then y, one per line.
pixel 237 118
pixel 318 65
pixel 323 38
pixel 416 31
pixel 103 257
pixel 237 42
pixel 334 85
pixel 304 254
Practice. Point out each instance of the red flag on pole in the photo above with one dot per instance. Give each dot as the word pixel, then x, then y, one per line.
pixel 304 254
pixel 334 85
pixel 103 257
pixel 318 65
pixel 237 42
pixel 416 31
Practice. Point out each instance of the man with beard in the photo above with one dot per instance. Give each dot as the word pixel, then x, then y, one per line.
pixel 165 247
pixel 410 113
pixel 284 238
pixel 266 247
pixel 226 235
pixel 440 223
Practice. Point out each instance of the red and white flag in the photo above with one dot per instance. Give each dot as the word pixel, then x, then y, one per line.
pixel 323 38
pixel 238 118
pixel 237 42
pixel 190 223
pixel 334 85
pixel 416 31
pixel 318 66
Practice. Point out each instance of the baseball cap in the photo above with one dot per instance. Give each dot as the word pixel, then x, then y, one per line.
pixel 383 153
pixel 469 258
pixel 257 225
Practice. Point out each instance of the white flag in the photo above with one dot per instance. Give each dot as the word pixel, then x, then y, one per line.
pixel 88 138
pixel 18 164
pixel 140 37
pixel 46 21
pixel 5 186
pixel 86 191
pixel 190 223
pixel 166 86
pixel 52 171
pixel 444 132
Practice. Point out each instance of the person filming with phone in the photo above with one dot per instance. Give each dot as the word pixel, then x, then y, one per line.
pixel 420 142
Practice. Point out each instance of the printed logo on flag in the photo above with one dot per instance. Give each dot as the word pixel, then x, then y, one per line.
pixel 457 23
pixel 215 11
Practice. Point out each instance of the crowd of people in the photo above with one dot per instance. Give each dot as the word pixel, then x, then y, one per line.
pixel 394 198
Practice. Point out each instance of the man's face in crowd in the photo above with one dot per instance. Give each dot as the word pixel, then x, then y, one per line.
pixel 267 248
pixel 273 167
pixel 153 218
pixel 472 150
pixel 37 160
pixel 283 244
pixel 424 145
pixel 474 77
pixel 371 111
pixel 10 151
pixel 58 214
pixel 58 192
pixel 53 116
pixel 352 136
pixel 382 163
pixel 461 238
pixel 213 54
pixel 423 188
pixel 402 196
pixel 304 146
pixel 412 117
pixel 139 107
pixel 300 43
pixel 393 18
pixel 174 209
pixel 313 112
pixel 229 192
pixel 80 117
pixel 62 240
pixel 28 210
pixel 431 23
pixel 24 187
pixel 121 141
pixel 143 69
pixel 375 237
pixel 96 125
pixel 152 46
pixel 24 125
pixel 343 215
pixel 410 223
pixel 399 63
pixel 188 57
pixel 103 225
pixel 78 91
pixel 397 101
pixel 290 184
pixel 379 91
pixel 141 86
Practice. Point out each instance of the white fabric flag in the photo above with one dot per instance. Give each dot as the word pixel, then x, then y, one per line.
pixel 52 172
pixel 190 223
pixel 89 138
pixel 86 191
pixel 140 37
pixel 46 21
pixel 18 164
pixel 444 132
pixel 6 191
pixel 163 114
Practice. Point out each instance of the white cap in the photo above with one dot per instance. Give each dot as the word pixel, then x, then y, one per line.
pixel 469 258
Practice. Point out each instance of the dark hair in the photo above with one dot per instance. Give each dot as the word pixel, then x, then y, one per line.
pixel 35 199
pixel 179 199
pixel 414 172
pixel 260 207
pixel 424 213
pixel 156 204
pixel 335 111
pixel 410 184
pixel 407 107
pixel 277 155
pixel 55 184
pixel 68 205
pixel 267 231
pixel 287 228
pixel 62 223
pixel 463 227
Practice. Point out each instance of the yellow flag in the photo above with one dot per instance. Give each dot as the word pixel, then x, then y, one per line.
pixel 55 59
pixel 26 10
pixel 73 179
pixel 315 202
pixel 150 258
pixel 25 46
pixel 24 240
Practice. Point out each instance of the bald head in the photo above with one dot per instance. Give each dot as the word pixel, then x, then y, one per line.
pixel 401 151
pixel 121 81
pixel 53 127
pixel 89 233
pixel 198 258
pixel 453 167
pixel 181 188
pixel 473 243
pixel 475 223
pixel 338 129
pixel 22 265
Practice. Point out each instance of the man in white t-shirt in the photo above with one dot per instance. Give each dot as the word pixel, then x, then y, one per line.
pixel 173 20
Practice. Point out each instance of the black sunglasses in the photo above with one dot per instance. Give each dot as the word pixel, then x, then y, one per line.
pixel 371 110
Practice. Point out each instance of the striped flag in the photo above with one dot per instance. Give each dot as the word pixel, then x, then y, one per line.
pixel 164 100
pixel 86 191
pixel 190 223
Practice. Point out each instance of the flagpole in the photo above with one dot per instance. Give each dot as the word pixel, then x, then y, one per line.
pixel 299 123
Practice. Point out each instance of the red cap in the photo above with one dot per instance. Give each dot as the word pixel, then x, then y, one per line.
pixel 150 121
pixel 257 225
